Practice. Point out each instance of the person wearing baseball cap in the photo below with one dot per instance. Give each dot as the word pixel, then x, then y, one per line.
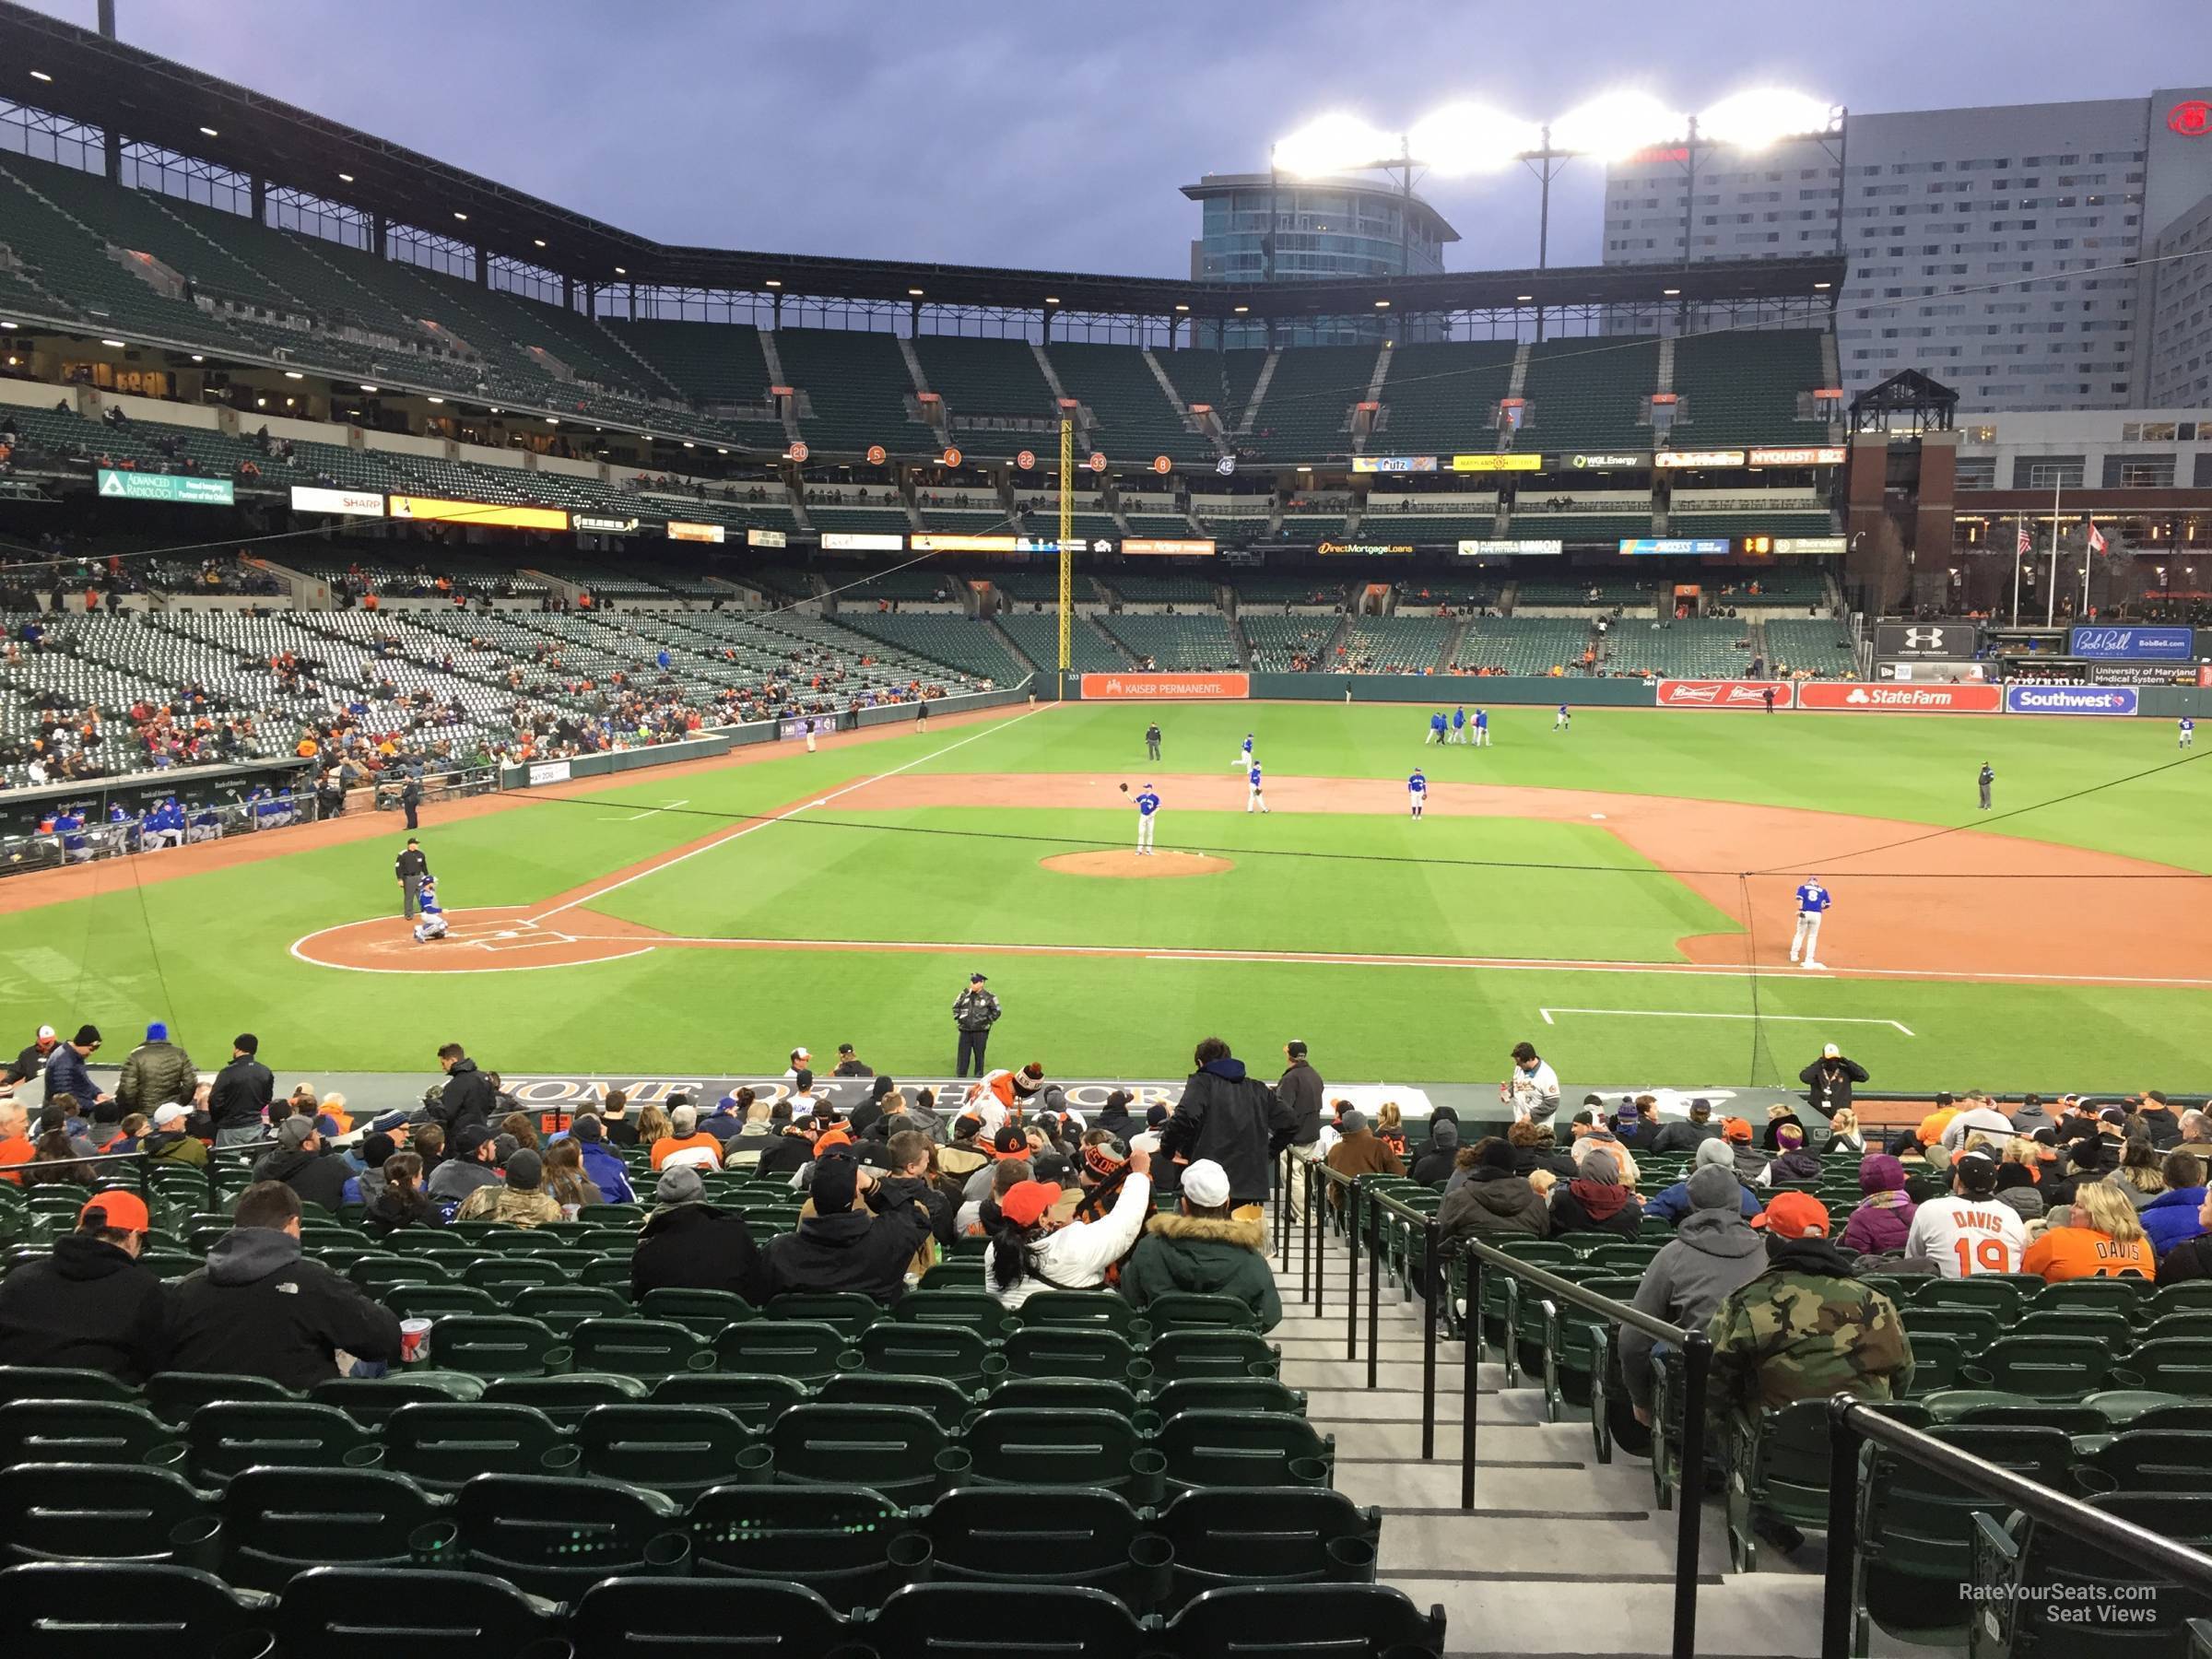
pixel 1804 1329
pixel 32 1062
pixel 1025 1256
pixel 299 1163
pixel 1969 1232
pixel 1204 1248
pixel 801 1060
pixel 466 1165
pixel 1829 1080
pixel 861 1235
pixel 974 1012
pixel 89 1304
pixel 167 1138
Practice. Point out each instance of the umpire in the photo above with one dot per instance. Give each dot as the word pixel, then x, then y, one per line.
pixel 1152 741
pixel 410 867
pixel 974 1011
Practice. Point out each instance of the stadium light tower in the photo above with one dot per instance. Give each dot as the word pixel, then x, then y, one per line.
pixel 1459 138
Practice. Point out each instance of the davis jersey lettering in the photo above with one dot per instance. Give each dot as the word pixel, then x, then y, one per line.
pixel 1964 1237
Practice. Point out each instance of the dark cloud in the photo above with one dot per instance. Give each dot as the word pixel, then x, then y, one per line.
pixel 1056 135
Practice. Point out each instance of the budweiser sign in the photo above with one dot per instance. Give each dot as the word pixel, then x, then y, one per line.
pixel 1847 698
pixel 1722 694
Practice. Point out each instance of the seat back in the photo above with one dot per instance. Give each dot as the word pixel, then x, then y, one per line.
pixel 678 1450
pixel 554 1537
pixel 1207 1448
pixel 987 1621
pixel 1085 1309
pixel 443 1447
pixel 702 1312
pixel 496 1344
pixel 1022 1445
pixel 805 1349
pixel 755 1401
pixel 565 1399
pixel 1069 1350
pixel 1282 1535
pixel 102 1512
pixel 1182 1354
pixel 365 1612
pixel 1046 1535
pixel 1188 1311
pixel 1285 1621
pixel 952 1352
pixel 230 1436
pixel 840 1539
pixel 639 1347
pixel 636 1615
pixel 278 1522
pixel 897 1447
pixel 79 1431
pixel 111 1610
pixel 848 1312
pixel 978 1310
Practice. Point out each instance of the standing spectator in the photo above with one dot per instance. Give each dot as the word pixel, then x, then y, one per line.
pixel 602 1167
pixel 1829 1080
pixel 1715 1251
pixel 1687 1134
pixel 1882 1222
pixel 467 1097
pixel 1594 1201
pixel 1236 1121
pixel 1298 1092
pixel 1532 1088
pixel 2104 1238
pixel 2171 1218
pixel 688 1244
pixel 1205 1250
pixel 1023 1257
pixel 1494 1202
pixel 298 1162
pixel 974 1012
pixel 89 1304
pixel 844 1247
pixel 65 1071
pixel 156 1073
pixel 260 1309
pixel 410 869
pixel 241 1094
pixel 520 1200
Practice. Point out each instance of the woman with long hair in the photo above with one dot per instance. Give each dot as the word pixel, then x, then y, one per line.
pixel 1023 1257
pixel 2141 1175
pixel 54 1160
pixel 523 1127
pixel 1844 1136
pixel 2105 1240
pixel 566 1183
pixel 1390 1127
pixel 402 1202
pixel 653 1125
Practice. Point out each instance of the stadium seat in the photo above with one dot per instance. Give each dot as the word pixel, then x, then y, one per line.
pixel 1087 1308
pixel 978 1310
pixel 115 1610
pixel 756 1400
pixel 986 1622
pixel 227 1437
pixel 103 1512
pixel 984 1534
pixel 555 1538
pixel 951 1352
pixel 678 1450
pixel 639 1347
pixel 364 1613
pixel 2020 1568
pixel 1286 1621
pixel 565 1399
pixel 1072 1351
pixel 369 1400
pixel 1058 1446
pixel 2148 1460
pixel 945 1402
pixel 702 1312
pixel 444 1447
pixel 58 1382
pixel 277 1523
pixel 1182 1310
pixel 83 1432
pixel 561 1308
pixel 497 1345
pixel 846 1541
pixel 804 1350
pixel 1207 1448
pixel 772 1619
pixel 1206 1353
pixel 902 1451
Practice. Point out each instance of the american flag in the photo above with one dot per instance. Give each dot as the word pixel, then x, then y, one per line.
pixel 2020 547
pixel 2096 537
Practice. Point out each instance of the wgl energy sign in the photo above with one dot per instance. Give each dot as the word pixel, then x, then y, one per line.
pixel 2070 699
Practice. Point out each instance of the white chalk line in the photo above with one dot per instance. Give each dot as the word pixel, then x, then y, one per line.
pixel 631 818
pixel 1685 1014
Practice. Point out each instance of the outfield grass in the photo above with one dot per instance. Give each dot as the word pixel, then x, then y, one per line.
pixel 209 952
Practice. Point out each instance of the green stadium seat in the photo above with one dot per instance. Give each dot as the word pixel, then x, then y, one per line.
pixel 977 1310
pixel 493 1346
pixel 361 1613
pixel 561 1308
pixel 677 1450
pixel 1089 1393
pixel 2020 1569
pixel 60 1382
pixel 555 1538
pixel 847 1312
pixel 277 1523
pixel 754 1400
pixel 1778 1468
pixel 985 1621
pixel 2149 1460
pixel 443 1447
pixel 227 1437
pixel 951 1352
pixel 2177 1364
pixel 639 1347
pixel 173 1397
pixel 2051 1368
pixel 369 1400
pixel 899 1448
pixel 1285 1621
pixel 118 1610
pixel 805 1349
pixel 418 1301
pixel 1185 1310
pixel 1047 1535
pixel 83 1432
pixel 944 1401
pixel 1279 1535
pixel 103 1512
pixel 703 1312
pixel 1208 1448
pixel 1185 1354
pixel 777 1620
pixel 848 1542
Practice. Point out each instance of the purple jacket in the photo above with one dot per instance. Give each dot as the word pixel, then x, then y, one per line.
pixel 1878 1228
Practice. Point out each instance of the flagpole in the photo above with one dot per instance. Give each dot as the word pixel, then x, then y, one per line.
pixel 2089 554
pixel 2051 588
pixel 2020 540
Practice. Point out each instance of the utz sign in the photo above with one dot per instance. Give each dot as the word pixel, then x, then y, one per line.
pixel 1723 694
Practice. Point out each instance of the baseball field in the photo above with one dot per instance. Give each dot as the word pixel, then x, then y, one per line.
pixel 1622 894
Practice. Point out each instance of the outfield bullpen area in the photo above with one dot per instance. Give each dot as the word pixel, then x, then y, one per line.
pixel 1620 893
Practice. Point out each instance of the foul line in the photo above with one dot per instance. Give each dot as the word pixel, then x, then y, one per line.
pixel 631 818
pixel 1675 1013
pixel 738 834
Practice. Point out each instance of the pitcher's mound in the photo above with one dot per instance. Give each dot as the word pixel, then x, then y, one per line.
pixel 1127 863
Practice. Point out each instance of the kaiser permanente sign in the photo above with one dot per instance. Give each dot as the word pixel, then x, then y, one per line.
pixel 166 486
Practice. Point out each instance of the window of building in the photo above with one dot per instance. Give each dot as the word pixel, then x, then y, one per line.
pixel 2047 472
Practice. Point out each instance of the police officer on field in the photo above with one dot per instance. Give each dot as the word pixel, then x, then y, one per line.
pixel 974 1011
pixel 410 798
pixel 1989 776
pixel 410 867
pixel 1152 741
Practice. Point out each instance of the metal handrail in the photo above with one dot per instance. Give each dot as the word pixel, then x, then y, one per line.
pixel 1853 1422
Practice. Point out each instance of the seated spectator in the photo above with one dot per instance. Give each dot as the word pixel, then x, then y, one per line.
pixel 1596 1134
pixel 2141 1175
pixel 654 1124
pixel 400 1201
pixel 844 1247
pixel 1203 1248
pixel 727 1120
pixel 1979 1115
pixel 1970 1231
pixel 792 1148
pixel 1001 1178
pixel 2191 1259
pixel 2196 1134
pixel 1594 1201
pixel 260 1309
pixel 298 1162
pixel 1750 1161
pixel 2171 1218
pixel 1687 1134
pixel 1804 1329
pixel 2158 1121
pixel 688 1244
pixel 1390 1127
pixel 1778 1114
pixel 2016 1188
pixel 1793 1161
pixel 1883 1219
pixel 2102 1238
pixel 1636 1122
pixel 1023 1258
pixel 468 1168
pixel 55 1159
pixel 90 1303
pixel 373 1150
pixel 1360 1151
pixel 566 1183
pixel 1844 1136
pixel 621 1131
pixel 1536 1147
pixel 519 1200
pixel 602 1166
pixel 1673 1203
pixel 1712 1253
pixel 521 1128
pixel 1494 1202
pixel 1433 1168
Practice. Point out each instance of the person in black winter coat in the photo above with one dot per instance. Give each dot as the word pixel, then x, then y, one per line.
pixel 1298 1091
pixel 301 1164
pixel 1686 1134
pixel 1236 1121
pixel 260 1309
pixel 1829 1080
pixel 842 1247
pixel 1594 1201
pixel 90 1304
pixel 1433 1167
pixel 1533 1149
pixel 467 1097
pixel 791 1151
pixel 688 1244
pixel 238 1097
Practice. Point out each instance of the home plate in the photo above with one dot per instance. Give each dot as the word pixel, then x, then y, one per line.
pixel 1599 817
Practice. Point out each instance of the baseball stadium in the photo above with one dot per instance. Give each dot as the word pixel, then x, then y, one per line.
pixel 786 812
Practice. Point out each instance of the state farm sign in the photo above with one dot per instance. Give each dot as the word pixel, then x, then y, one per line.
pixel 1722 694
pixel 1842 697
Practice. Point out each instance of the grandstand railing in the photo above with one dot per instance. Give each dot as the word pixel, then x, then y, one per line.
pixel 1852 1423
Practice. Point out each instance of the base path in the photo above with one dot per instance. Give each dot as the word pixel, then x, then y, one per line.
pixel 1911 900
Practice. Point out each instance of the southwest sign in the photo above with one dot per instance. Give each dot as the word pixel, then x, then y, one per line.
pixel 2069 700
pixel 1843 697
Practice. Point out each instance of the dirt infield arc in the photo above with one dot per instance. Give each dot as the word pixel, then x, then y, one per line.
pixel 1914 902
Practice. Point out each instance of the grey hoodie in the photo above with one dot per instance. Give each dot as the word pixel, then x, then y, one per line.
pixel 1715 1251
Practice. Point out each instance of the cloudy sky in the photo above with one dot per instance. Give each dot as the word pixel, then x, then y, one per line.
pixel 1056 135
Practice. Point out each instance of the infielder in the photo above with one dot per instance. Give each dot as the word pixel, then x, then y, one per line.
pixel 433 925
pixel 2186 733
pixel 1482 728
pixel 1244 756
pixel 1253 798
pixel 1459 725
pixel 1436 729
pixel 1813 901
pixel 1563 720
pixel 1416 792
pixel 1148 804
pixel 1988 777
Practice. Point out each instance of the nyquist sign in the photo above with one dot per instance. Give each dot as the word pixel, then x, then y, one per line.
pixel 2069 700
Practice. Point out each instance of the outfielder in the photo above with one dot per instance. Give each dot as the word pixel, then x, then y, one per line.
pixel 1244 756
pixel 1253 798
pixel 1436 729
pixel 1416 792
pixel 1563 720
pixel 2186 733
pixel 1813 901
pixel 433 925
pixel 1148 804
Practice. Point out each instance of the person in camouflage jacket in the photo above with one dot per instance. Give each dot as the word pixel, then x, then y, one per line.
pixel 1805 1328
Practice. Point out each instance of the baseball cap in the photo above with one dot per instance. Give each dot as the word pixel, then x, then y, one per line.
pixel 680 1183
pixel 126 1212
pixel 292 1134
pixel 1155 1116
pixel 977 979
pixel 1795 1216
pixel 836 1183
pixel 1009 1142
pixel 845 1048
pixel 1026 1202
pixel 1736 1129
pixel 1977 1171
pixel 1206 1183
pixel 471 1137
pixel 48 1034
pixel 1829 1051
pixel 1052 1166
pixel 171 1113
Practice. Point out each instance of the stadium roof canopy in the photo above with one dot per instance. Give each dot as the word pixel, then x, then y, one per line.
pixel 144 99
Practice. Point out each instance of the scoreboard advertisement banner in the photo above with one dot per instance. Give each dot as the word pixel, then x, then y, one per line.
pixel 1142 687
pixel 1723 694
pixel 166 487
pixel 2142 644
pixel 1848 698
pixel 438 510
pixel 346 503
pixel 1703 547
pixel 1393 463
pixel 1930 642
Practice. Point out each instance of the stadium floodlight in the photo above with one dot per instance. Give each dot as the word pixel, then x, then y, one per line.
pixel 1332 143
pixel 1757 119
pixel 773 282
pixel 116 343
pixel 346 178
pixel 1618 125
pixel 540 240
pixel 210 131
pixel 1470 138
pixel 41 74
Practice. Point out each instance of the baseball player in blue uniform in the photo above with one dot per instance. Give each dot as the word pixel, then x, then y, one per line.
pixel 1416 792
pixel 1563 721
pixel 1459 725
pixel 433 925
pixel 1436 728
pixel 2186 733
pixel 1482 728
pixel 1244 756
pixel 1813 901
pixel 1147 805
pixel 1253 798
